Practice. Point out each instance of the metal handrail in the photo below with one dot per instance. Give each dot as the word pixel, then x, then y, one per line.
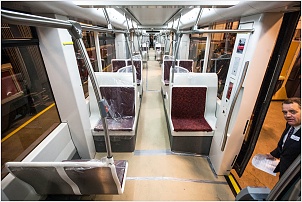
pixel 226 128
pixel 130 49
pixel 201 31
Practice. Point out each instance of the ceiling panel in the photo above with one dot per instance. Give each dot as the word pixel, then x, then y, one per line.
pixel 153 16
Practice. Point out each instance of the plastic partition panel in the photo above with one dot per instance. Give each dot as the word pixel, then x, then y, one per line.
pixel 114 79
pixel 108 79
pixel 121 106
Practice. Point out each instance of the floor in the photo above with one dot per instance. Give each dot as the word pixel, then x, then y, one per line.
pixel 271 131
pixel 154 173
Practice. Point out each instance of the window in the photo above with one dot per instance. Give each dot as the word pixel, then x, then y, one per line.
pixel 107 46
pixel 197 51
pixel 28 111
pixel 221 49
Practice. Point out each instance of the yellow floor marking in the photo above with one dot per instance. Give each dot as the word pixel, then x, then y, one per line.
pixel 234 183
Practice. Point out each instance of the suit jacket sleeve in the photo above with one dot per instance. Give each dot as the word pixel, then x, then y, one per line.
pixel 277 152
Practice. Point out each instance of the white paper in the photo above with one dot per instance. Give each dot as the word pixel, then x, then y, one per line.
pixel 261 162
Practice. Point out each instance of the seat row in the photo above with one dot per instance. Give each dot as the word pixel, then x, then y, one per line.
pixel 190 105
pixel 189 99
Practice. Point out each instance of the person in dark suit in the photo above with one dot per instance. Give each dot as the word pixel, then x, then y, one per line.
pixel 289 145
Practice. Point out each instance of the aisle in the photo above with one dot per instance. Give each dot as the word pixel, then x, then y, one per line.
pixel 155 173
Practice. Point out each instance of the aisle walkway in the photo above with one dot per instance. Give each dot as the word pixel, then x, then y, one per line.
pixel 154 173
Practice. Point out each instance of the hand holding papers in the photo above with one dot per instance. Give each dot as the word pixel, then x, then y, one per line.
pixel 265 164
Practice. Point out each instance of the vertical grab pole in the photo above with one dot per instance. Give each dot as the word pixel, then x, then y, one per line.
pixel 107 18
pixel 225 134
pixel 197 19
pixel 175 54
pixel 76 33
pixel 176 48
pixel 177 29
pixel 165 41
pixel 130 50
pixel 133 46
pixel 139 38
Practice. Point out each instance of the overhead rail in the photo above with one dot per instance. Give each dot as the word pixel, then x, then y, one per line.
pixel 201 31
pixel 156 4
pixel 198 18
pixel 127 12
pixel 107 18
pixel 32 20
pixel 155 28
pixel 39 21
pixel 176 14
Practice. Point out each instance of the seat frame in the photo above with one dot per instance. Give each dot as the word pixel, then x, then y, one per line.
pixel 72 177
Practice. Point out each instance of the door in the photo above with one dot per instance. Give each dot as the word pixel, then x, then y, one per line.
pixel 287 30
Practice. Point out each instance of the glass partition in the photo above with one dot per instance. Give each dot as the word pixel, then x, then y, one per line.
pixel 220 54
pixel 197 51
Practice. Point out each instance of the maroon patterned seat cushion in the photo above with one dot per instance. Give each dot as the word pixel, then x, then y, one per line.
pixel 121 101
pixel 191 124
pixel 188 106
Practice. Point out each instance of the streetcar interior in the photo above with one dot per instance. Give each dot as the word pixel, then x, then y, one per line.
pixel 89 65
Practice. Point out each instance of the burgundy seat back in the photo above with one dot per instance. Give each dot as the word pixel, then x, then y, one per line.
pixel 187 64
pixel 188 107
pixel 117 64
pixel 188 102
pixel 137 64
pixel 167 66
